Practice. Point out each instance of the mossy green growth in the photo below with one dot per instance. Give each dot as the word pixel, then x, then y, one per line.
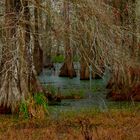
pixel 58 59
pixel 35 106
pixel 40 99
pixel 23 109
pixel 61 58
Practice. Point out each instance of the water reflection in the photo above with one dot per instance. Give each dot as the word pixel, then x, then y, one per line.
pixel 50 77
pixel 92 98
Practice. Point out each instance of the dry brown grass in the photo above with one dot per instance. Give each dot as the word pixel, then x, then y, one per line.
pixel 120 125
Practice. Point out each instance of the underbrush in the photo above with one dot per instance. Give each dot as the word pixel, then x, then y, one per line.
pixel 73 93
pixel 67 93
pixel 90 124
pixel 35 107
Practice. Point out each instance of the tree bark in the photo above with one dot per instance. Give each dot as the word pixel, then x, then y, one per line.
pixel 48 45
pixel 84 69
pixel 125 85
pixel 18 77
pixel 38 52
pixel 67 69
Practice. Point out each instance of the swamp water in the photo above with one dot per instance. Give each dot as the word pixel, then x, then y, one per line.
pixel 93 92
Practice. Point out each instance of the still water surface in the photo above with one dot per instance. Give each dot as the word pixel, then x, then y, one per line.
pixel 92 98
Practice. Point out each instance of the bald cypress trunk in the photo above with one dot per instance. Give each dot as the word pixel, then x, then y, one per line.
pixel 18 76
pixel 67 69
pixel 125 85
pixel 38 52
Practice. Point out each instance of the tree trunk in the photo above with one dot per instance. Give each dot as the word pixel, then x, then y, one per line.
pixel 84 70
pixel 38 52
pixel 98 72
pixel 125 85
pixel 67 70
pixel 18 77
pixel 47 60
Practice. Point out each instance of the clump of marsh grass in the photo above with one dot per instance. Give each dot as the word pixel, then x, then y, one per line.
pixel 34 107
